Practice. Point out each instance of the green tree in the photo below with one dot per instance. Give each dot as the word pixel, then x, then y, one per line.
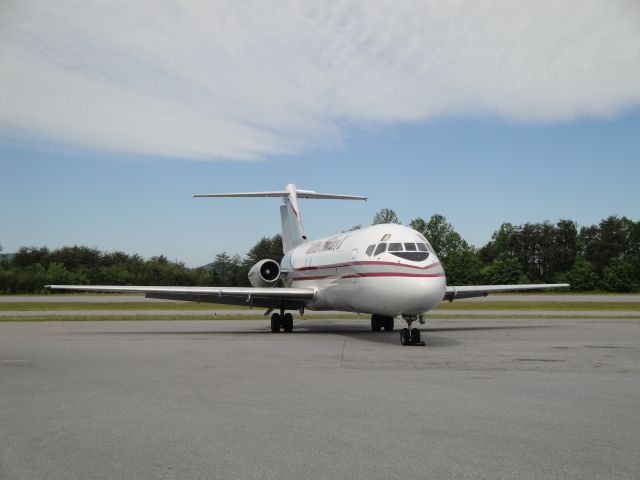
pixel 57 274
pixel 463 267
pixel 5 280
pixel 613 237
pixel 502 272
pixel 582 276
pixel 224 269
pixel 441 235
pixel 541 249
pixel 28 256
pixel 565 245
pixel 460 260
pixel 385 215
pixel 267 247
pixel 75 257
pixel 30 279
pixel 618 276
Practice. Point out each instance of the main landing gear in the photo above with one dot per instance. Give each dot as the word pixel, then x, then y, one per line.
pixel 411 336
pixel 281 320
pixel 381 321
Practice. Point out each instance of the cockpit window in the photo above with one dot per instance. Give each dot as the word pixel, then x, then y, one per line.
pixel 369 250
pixel 413 256
pixel 381 248
pixel 410 247
pixel 422 247
pixel 385 237
pixel 395 247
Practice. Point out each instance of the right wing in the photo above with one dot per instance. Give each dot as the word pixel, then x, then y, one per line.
pixel 288 298
pixel 471 291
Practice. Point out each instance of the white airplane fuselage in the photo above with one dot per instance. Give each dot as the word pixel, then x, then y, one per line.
pixel 351 273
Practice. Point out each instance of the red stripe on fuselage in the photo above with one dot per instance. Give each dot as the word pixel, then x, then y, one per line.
pixel 372 274
pixel 366 262
pixel 393 274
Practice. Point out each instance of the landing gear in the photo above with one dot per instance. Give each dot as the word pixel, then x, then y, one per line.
pixel 281 320
pixel 287 323
pixel 376 324
pixel 275 322
pixel 411 336
pixel 405 337
pixel 388 324
pixel 381 321
pixel 415 335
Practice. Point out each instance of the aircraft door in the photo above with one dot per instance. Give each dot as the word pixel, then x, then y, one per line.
pixel 352 259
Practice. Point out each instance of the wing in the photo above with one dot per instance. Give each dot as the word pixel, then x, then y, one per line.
pixel 484 290
pixel 288 298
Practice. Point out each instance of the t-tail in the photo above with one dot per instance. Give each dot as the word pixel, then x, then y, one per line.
pixel 292 228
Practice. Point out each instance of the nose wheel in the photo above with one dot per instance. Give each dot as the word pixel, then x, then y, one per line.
pixel 410 336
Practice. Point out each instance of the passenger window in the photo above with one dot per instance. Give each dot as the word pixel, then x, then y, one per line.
pixel 369 250
pixel 382 247
pixel 422 247
pixel 395 247
pixel 410 247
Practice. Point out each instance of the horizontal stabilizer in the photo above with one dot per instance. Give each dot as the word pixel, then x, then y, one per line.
pixel 292 229
pixel 283 194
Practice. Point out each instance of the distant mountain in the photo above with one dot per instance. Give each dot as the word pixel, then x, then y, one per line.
pixel 208 267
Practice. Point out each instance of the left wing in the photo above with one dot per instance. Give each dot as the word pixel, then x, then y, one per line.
pixel 484 290
pixel 287 298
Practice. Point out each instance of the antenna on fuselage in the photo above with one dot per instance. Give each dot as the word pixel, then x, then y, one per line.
pixel 292 229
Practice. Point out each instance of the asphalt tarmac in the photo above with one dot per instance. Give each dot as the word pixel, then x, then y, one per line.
pixel 513 399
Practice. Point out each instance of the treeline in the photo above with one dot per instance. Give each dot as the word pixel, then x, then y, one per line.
pixel 31 268
pixel 605 256
pixel 599 257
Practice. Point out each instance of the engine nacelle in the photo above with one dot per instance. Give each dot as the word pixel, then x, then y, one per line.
pixel 265 273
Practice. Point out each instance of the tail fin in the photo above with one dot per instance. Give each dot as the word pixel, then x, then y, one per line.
pixel 292 229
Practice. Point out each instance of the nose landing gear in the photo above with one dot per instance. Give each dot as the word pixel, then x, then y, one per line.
pixel 411 336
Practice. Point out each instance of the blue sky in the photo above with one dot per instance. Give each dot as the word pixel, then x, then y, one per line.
pixel 111 117
pixel 478 173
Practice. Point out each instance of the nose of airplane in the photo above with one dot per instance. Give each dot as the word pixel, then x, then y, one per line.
pixel 411 295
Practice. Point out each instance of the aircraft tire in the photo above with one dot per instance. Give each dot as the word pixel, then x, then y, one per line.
pixel 287 322
pixel 405 337
pixel 415 335
pixel 275 322
pixel 387 322
pixel 376 324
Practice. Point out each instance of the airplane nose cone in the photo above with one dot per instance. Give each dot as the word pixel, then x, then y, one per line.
pixel 408 295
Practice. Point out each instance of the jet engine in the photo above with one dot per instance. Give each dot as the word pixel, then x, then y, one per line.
pixel 265 273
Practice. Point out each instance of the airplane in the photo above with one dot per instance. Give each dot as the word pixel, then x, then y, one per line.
pixel 386 271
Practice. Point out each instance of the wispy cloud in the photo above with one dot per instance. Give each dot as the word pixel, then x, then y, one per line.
pixel 241 80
